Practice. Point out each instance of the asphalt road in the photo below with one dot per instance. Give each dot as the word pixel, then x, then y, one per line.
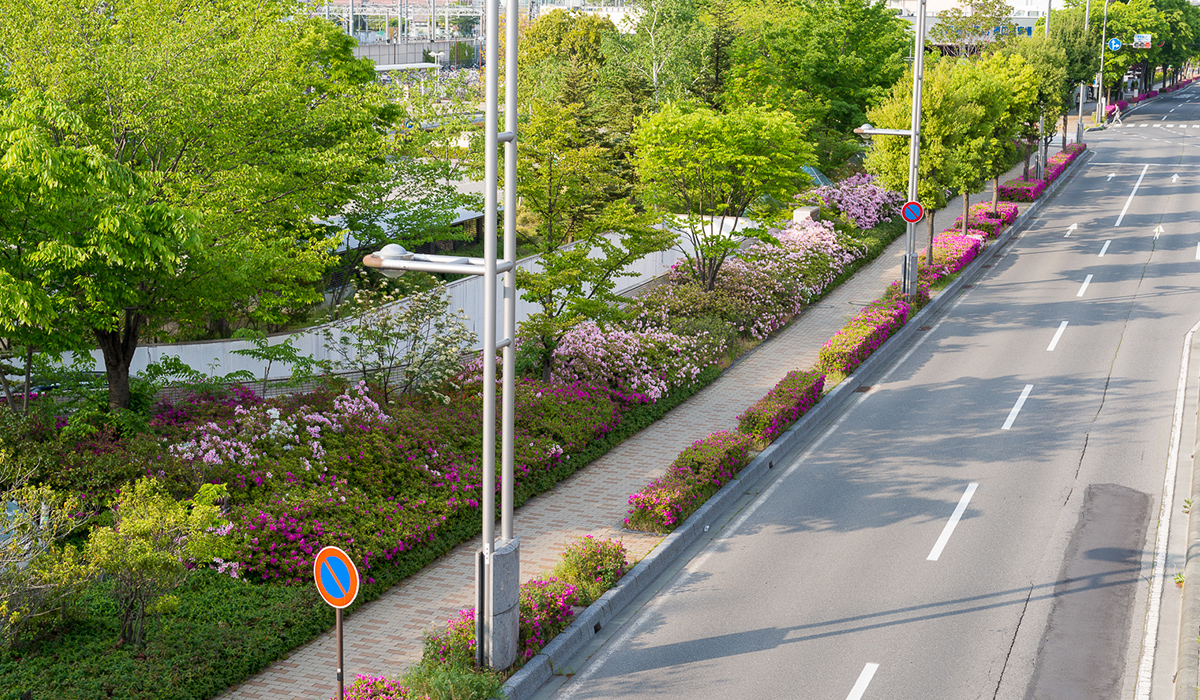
pixel 1037 409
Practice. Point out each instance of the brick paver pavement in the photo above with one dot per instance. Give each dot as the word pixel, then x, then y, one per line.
pixel 384 636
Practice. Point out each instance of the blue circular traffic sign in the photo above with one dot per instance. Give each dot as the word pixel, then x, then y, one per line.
pixel 912 212
pixel 1114 44
pixel 336 577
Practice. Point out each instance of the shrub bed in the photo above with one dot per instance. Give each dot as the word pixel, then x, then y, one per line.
pixel 783 405
pixel 951 253
pixel 697 473
pixel 865 332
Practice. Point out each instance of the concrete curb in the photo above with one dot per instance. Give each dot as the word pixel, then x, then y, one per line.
pixel 526 682
pixel 1187 661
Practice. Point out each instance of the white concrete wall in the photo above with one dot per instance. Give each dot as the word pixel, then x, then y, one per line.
pixel 465 294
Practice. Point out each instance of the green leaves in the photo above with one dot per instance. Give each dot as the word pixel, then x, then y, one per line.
pixel 707 166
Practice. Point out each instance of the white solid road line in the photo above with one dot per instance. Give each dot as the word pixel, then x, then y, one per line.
pixel 954 518
pixel 864 679
pixel 1150 641
pixel 1104 249
pixel 1130 200
pixel 1012 415
pixel 1086 281
pixel 1198 251
pixel 1058 334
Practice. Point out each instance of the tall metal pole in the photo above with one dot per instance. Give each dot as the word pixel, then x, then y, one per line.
pixel 1087 14
pixel 1042 150
pixel 510 277
pixel 487 496
pixel 340 673
pixel 1103 47
pixel 350 24
pixel 909 273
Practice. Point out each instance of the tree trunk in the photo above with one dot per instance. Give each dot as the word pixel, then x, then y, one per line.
pixel 28 378
pixel 995 197
pixel 966 225
pixel 118 347
pixel 1027 153
pixel 1064 132
pixel 929 229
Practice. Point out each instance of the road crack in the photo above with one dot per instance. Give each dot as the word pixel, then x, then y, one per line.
pixel 1016 632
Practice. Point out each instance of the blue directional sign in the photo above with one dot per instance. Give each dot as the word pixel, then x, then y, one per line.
pixel 1114 44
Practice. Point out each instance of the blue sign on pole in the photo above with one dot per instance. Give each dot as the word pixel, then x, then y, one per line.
pixel 1114 44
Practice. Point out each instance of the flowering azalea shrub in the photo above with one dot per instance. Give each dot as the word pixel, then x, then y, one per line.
pixel 697 473
pixel 379 688
pixel 593 566
pixel 988 220
pixel 863 203
pixel 916 302
pixel 1020 190
pixel 455 644
pixel 545 610
pixel 951 253
pixel 783 405
pixel 634 362
pixel 862 334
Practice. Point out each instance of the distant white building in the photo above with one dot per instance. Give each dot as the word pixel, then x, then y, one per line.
pixel 1021 8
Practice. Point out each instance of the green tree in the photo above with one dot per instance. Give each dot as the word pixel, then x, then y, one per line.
pixel 659 46
pixel 254 116
pixel 709 166
pixel 574 283
pixel 942 132
pixel 966 31
pixel 149 545
pixel 1049 65
pixel 979 150
pixel 1020 85
pixel 716 56
pixel 565 35
pixel 401 343
pixel 40 576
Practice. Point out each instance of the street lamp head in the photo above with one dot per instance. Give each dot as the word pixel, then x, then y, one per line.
pixel 864 129
pixel 392 251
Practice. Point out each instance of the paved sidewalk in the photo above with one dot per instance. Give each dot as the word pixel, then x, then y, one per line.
pixel 384 637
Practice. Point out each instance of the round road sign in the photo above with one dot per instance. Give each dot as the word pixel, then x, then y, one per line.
pixel 912 212
pixel 1114 44
pixel 336 577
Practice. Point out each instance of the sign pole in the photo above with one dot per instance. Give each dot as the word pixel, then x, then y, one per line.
pixel 908 275
pixel 340 679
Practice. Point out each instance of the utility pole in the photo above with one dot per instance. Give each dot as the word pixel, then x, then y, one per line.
pixel 1087 15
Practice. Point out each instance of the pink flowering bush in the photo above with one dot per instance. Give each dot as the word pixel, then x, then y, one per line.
pixel 593 566
pixel 951 253
pixel 695 475
pixel 857 198
pixel 455 644
pixel 646 362
pixel 863 334
pixel 379 688
pixel 545 610
pixel 1020 190
pixel 987 220
pixel 783 405
pixel 916 302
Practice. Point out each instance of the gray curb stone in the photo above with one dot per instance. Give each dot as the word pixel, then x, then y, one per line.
pixel 527 681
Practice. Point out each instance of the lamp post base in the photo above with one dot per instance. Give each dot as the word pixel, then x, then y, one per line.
pixel 498 621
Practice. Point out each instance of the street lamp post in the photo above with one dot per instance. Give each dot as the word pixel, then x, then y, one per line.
pixel 497 563
pixel 1103 47
pixel 1087 15
pixel 908 273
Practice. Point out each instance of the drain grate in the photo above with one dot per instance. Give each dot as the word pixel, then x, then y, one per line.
pixel 863 389
pixel 925 328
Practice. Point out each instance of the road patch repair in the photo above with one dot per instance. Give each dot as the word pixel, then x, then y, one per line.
pixel 1086 638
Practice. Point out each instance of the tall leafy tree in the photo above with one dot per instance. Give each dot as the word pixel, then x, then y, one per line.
pixel 1049 64
pixel 248 113
pixel 942 133
pixel 658 45
pixel 709 166
pixel 976 25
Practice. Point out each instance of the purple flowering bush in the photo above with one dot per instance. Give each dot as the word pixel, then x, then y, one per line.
pixel 862 334
pixel 697 473
pixel 857 198
pixel 453 645
pixel 783 405
pixel 545 610
pixel 1021 190
pixel 990 222
pixel 593 566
